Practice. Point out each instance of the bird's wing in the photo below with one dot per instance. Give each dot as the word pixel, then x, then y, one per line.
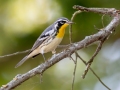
pixel 45 35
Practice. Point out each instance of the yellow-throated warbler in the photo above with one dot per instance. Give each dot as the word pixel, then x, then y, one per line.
pixel 48 40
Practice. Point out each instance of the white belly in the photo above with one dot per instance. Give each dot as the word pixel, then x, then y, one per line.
pixel 51 46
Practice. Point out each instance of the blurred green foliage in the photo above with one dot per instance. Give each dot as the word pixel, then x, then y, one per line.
pixel 22 21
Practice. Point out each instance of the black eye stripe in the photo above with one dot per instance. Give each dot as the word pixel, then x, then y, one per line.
pixel 62 22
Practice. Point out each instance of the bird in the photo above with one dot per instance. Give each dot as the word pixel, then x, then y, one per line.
pixel 48 41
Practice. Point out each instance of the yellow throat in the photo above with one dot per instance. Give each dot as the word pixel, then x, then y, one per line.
pixel 61 31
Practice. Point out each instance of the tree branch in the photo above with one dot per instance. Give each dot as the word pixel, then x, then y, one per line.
pixel 92 58
pixel 92 71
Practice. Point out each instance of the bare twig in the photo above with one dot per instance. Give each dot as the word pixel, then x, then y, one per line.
pixel 71 58
pixel 41 78
pixel 92 71
pixel 107 11
pixel 21 52
pixel 16 53
pixel 103 20
pixel 74 72
pixel 92 58
pixel 70 27
pixel 70 38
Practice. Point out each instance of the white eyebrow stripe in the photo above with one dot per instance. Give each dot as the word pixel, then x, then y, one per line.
pixel 62 20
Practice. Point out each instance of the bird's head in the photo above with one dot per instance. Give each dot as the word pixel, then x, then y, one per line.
pixel 62 23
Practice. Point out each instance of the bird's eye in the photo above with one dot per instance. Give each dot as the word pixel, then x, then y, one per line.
pixel 62 22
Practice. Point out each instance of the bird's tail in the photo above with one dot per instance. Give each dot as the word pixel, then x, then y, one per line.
pixel 22 61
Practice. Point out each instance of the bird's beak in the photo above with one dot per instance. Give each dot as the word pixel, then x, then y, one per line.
pixel 70 22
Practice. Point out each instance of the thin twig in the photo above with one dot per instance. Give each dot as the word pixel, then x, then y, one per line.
pixel 71 58
pixel 102 20
pixel 74 72
pixel 100 79
pixel 70 38
pixel 41 78
pixel 16 53
pixel 70 26
pixel 92 58
pixel 92 71
pixel 21 52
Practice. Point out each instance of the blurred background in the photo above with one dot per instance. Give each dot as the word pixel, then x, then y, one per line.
pixel 21 23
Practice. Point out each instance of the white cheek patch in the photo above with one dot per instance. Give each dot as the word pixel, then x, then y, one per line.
pixel 56 25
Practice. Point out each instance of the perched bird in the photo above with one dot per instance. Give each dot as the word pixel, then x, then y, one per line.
pixel 48 40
